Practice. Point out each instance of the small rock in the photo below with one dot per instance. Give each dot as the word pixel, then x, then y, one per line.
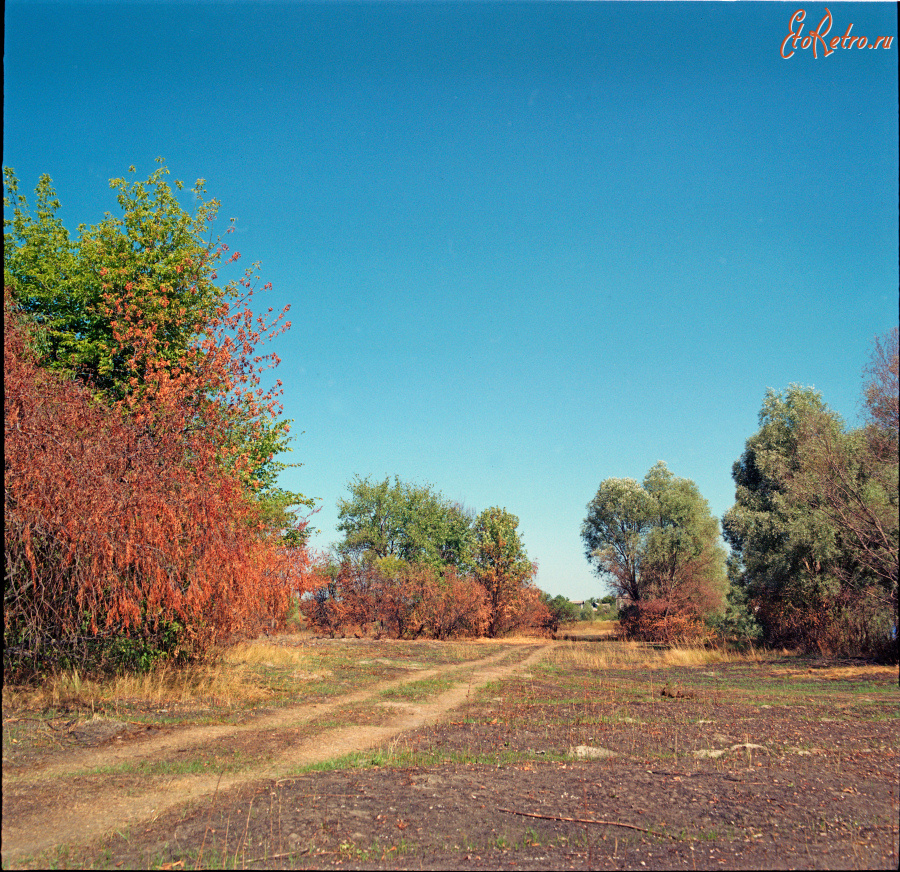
pixel 587 752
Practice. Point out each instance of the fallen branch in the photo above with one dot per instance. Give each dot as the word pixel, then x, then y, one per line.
pixel 286 854
pixel 568 820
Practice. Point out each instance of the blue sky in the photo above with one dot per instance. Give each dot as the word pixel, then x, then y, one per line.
pixel 527 246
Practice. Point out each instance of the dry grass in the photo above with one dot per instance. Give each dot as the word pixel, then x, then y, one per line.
pixel 590 628
pixel 219 684
pixel 638 655
pixel 263 653
pixel 700 656
pixel 838 673
pixel 228 680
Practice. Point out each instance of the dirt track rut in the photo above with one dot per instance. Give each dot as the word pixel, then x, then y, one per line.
pixel 53 805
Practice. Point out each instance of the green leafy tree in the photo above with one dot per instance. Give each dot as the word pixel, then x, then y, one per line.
pixel 614 533
pixel 402 521
pixel 814 527
pixel 657 541
pixel 781 544
pixel 69 285
pixel 588 612
pixel 563 611
pixel 131 307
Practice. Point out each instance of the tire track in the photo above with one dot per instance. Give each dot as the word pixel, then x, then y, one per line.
pixel 89 808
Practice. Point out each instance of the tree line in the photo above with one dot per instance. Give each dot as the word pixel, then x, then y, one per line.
pixel 412 563
pixel 813 534
pixel 143 517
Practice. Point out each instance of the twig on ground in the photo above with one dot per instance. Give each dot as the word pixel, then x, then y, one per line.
pixel 287 854
pixel 552 817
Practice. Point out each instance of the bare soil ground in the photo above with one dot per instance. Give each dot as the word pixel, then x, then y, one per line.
pixel 534 755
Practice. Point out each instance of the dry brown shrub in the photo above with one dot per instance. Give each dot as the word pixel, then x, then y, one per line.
pixel 662 622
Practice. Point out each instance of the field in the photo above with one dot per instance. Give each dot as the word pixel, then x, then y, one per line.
pixel 531 754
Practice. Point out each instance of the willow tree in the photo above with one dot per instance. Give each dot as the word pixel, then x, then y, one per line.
pixel 656 542
pixel 815 526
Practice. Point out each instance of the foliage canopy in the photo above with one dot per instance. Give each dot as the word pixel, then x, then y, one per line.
pixel 815 526
pixel 141 511
pixel 656 539
pixel 130 306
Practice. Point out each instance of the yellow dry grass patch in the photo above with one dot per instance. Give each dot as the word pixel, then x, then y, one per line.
pixel 838 673
pixel 225 681
pixel 635 655
pixel 590 628
pixel 262 653
pixel 699 656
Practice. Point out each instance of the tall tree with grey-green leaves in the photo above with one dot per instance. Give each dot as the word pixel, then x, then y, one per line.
pixel 815 524
pixel 657 541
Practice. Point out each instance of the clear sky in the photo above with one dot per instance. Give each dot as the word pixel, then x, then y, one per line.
pixel 527 246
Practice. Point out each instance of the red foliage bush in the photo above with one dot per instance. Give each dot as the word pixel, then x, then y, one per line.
pixel 532 614
pixel 412 602
pixel 448 606
pixel 123 522
pixel 662 622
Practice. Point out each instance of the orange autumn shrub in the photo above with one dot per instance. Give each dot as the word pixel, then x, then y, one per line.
pixel 126 535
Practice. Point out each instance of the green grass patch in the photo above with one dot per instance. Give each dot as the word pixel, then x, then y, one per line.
pixel 432 757
pixel 417 690
pixel 190 766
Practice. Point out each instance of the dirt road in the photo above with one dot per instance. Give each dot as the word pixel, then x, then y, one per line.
pixel 81 794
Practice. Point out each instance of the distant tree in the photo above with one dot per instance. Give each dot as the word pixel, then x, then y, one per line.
pixel 502 567
pixel 615 532
pixel 657 543
pixel 400 601
pixel 683 561
pixel 588 612
pixel 410 523
pixel 563 611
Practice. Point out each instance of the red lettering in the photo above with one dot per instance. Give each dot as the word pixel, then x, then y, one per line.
pixel 819 34
pixel 798 16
